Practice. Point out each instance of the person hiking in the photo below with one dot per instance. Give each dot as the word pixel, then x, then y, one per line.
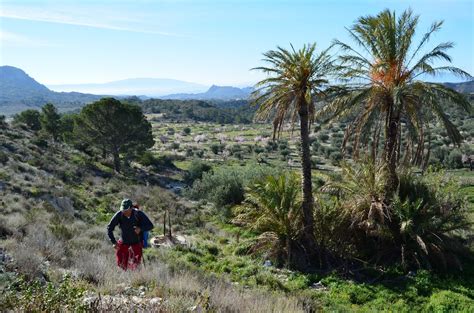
pixel 145 234
pixel 132 223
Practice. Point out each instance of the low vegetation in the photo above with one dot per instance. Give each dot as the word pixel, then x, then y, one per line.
pixel 283 223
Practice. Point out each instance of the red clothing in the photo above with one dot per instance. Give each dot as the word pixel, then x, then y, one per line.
pixel 128 256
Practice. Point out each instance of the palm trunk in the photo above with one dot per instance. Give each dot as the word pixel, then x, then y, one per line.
pixel 427 157
pixel 399 143
pixel 375 144
pixel 288 252
pixel 390 150
pixel 309 241
pixel 420 149
pixel 406 152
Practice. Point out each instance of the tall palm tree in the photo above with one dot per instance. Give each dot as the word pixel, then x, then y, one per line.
pixel 296 79
pixel 384 87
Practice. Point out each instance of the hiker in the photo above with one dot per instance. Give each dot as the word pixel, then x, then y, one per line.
pixel 132 223
pixel 145 234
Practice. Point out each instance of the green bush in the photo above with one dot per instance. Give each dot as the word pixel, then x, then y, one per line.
pixel 323 137
pixel 3 123
pixel 199 153
pixel 196 170
pixel 267 279
pixel 225 185
pixel 186 131
pixel 216 148
pixel 212 249
pixel 335 157
pixel 428 218
pixel 454 160
pixel 3 157
pixel 40 142
pixel 30 118
pixel 271 146
pixel 449 301
pixel 149 159
pixel 258 150
pixel 32 296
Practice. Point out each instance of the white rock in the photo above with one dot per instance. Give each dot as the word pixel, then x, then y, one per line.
pixel 155 301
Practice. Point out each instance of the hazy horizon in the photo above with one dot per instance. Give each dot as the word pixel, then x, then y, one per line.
pixel 201 42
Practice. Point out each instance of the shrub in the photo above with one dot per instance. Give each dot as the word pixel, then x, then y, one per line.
pixel 225 185
pixel 285 152
pixel 186 131
pixel 149 159
pixel 454 160
pixel 199 153
pixel 3 157
pixel 271 146
pixel 33 296
pixel 323 137
pixel 30 118
pixel 196 170
pixel 335 157
pixel 449 301
pixel 3 123
pixel 215 148
pixel 421 227
pixel 258 150
pixel 40 142
pixel 315 145
pixel 273 208
pixel 174 146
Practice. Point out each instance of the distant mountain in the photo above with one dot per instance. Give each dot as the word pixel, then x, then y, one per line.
pixel 466 87
pixel 215 93
pixel 149 87
pixel 19 92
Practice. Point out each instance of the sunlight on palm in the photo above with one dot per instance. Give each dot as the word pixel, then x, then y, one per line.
pixel 384 87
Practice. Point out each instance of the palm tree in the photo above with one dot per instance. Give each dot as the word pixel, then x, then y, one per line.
pixel 384 87
pixel 272 207
pixel 296 79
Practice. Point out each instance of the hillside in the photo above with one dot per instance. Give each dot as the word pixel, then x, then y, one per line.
pixel 465 87
pixel 56 201
pixel 55 204
pixel 19 92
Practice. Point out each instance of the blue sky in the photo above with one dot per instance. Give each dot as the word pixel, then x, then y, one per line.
pixel 207 42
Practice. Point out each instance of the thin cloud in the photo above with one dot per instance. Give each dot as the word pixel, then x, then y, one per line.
pixel 9 38
pixel 38 15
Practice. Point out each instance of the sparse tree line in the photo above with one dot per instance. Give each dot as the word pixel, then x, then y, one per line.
pixel 106 127
pixel 226 112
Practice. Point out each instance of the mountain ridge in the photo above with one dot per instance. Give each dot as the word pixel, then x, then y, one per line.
pixel 150 87
pixel 213 93
pixel 19 92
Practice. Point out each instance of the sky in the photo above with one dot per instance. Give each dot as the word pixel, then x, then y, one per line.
pixel 206 42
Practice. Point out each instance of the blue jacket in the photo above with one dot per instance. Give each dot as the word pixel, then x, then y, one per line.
pixel 127 224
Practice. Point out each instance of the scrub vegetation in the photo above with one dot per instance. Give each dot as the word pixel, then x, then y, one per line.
pixel 311 196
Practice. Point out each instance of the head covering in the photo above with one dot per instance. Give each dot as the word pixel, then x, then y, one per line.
pixel 126 204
